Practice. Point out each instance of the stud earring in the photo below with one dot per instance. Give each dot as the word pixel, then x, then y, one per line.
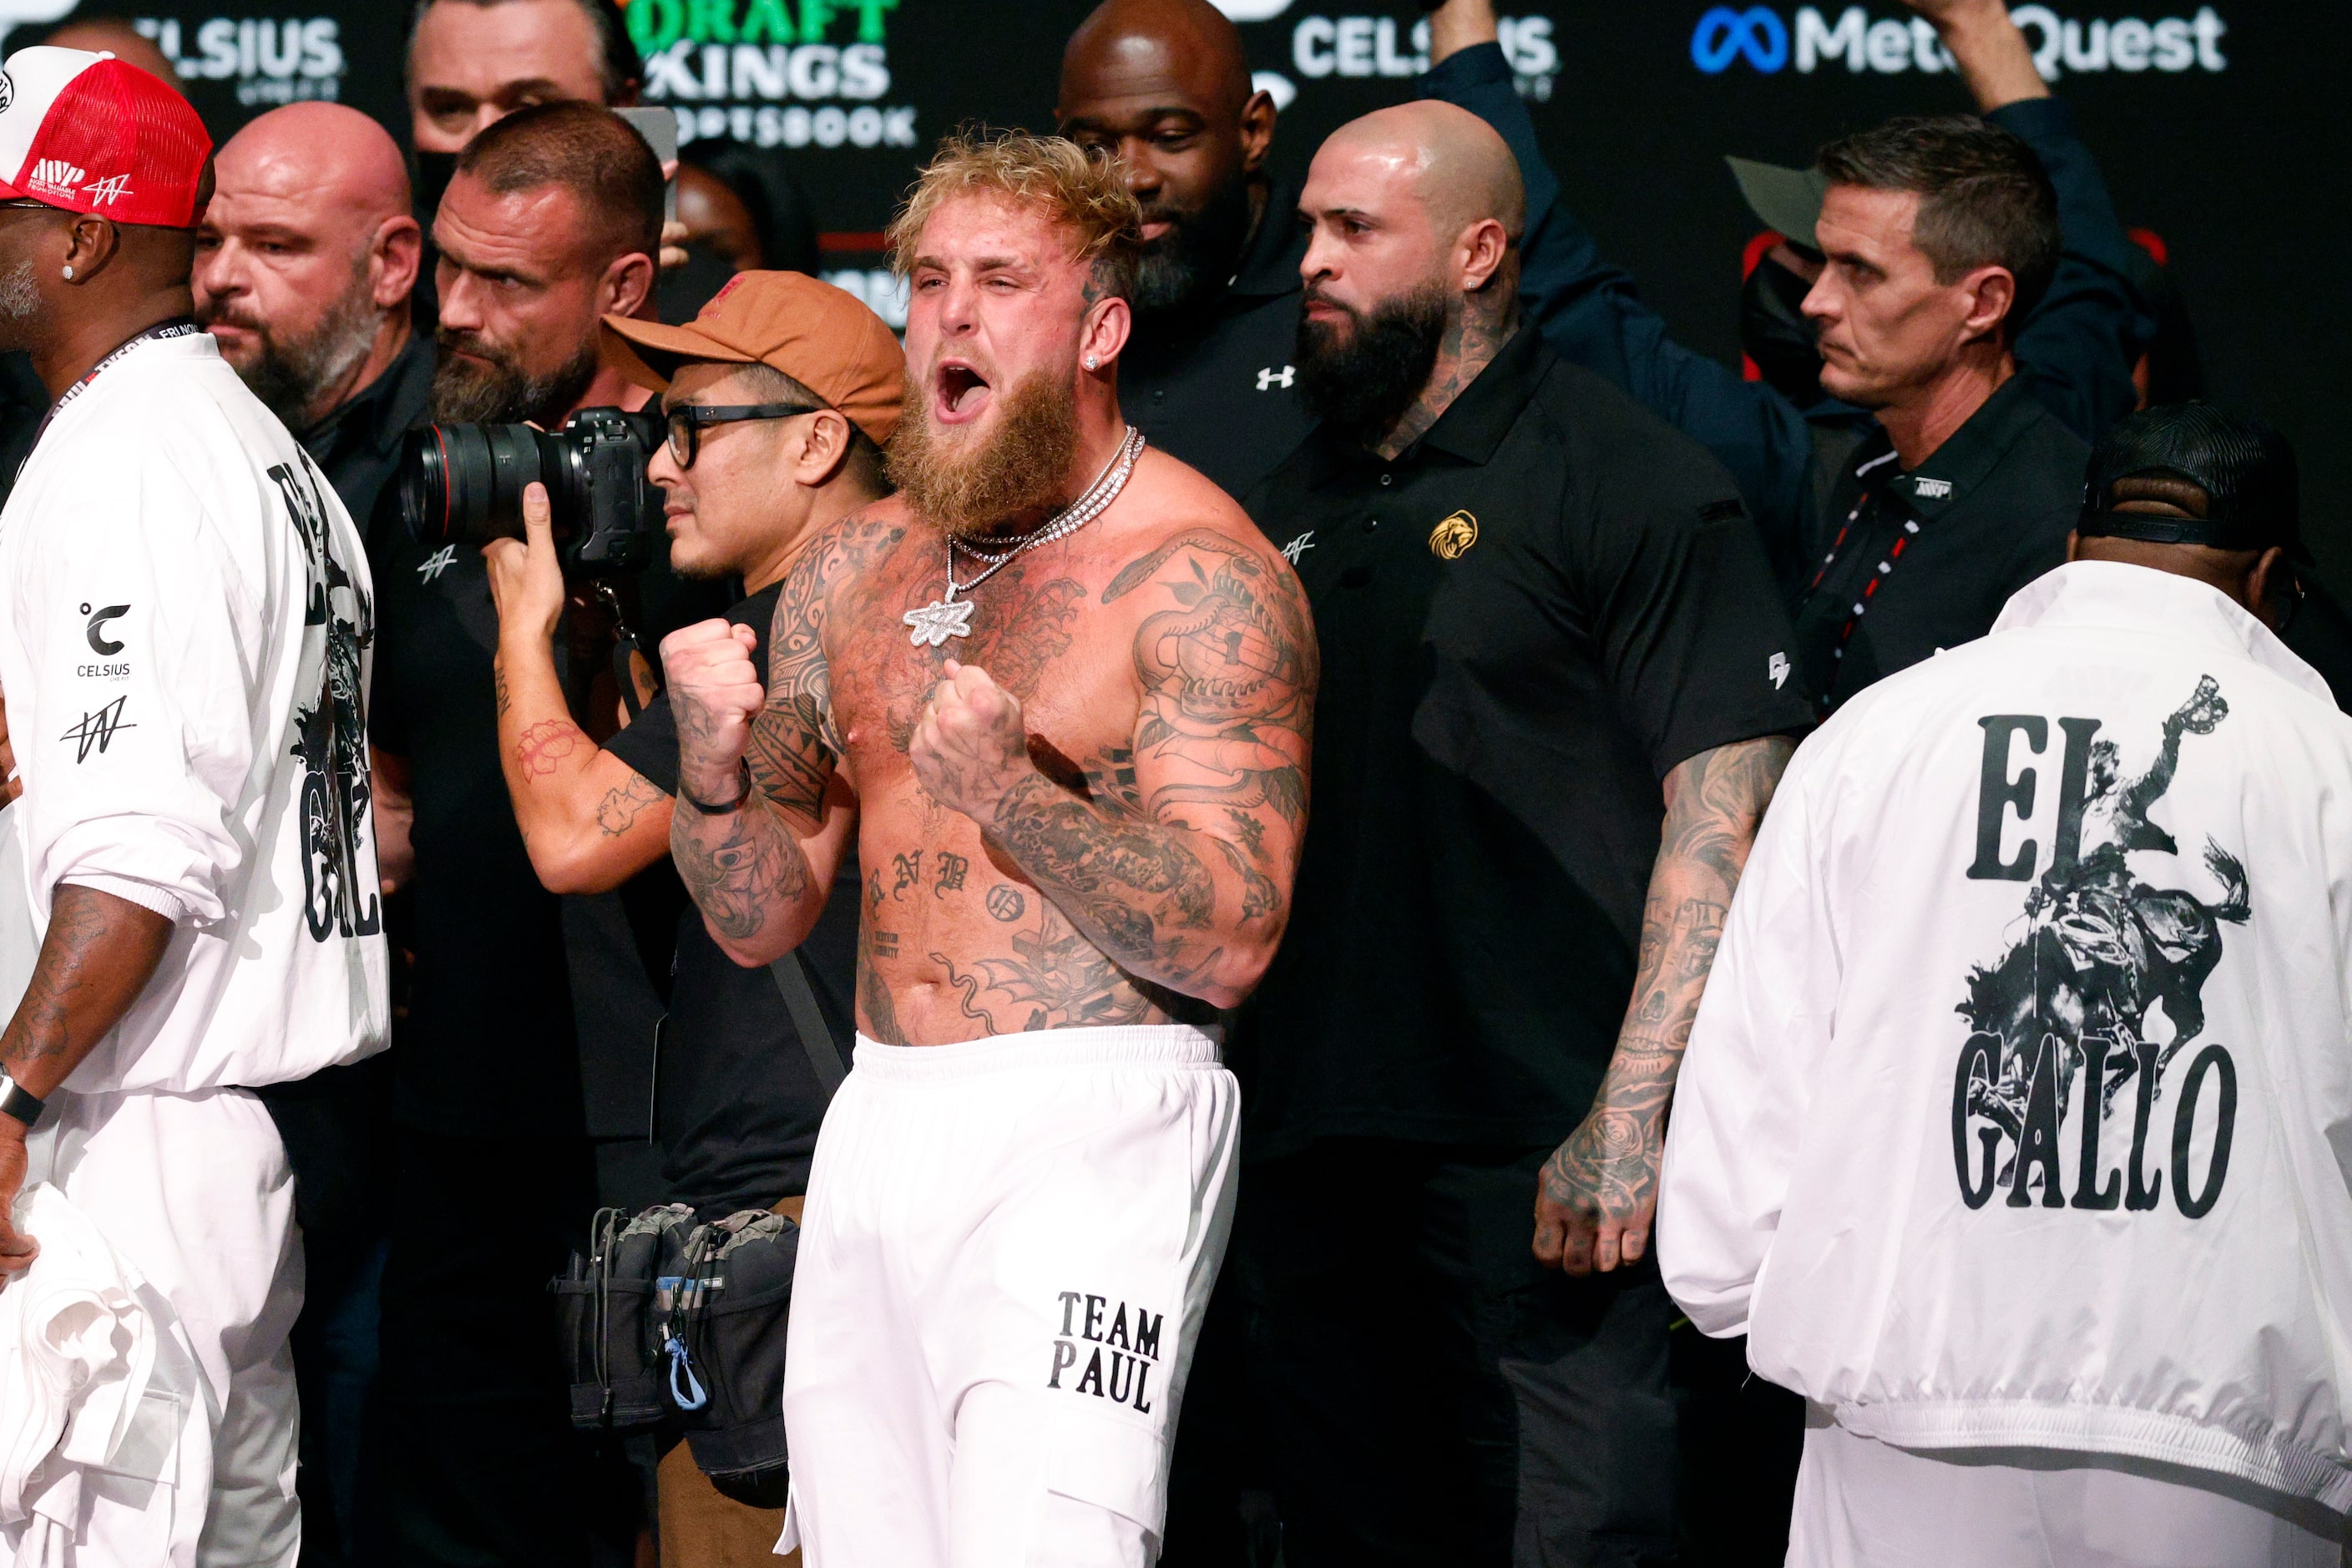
pixel 1090 361
pixel 68 274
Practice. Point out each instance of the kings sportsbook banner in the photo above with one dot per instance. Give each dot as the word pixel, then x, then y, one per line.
pixel 2219 126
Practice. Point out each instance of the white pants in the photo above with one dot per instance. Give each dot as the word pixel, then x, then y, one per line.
pixel 195 1192
pixel 1862 1503
pixel 1008 1248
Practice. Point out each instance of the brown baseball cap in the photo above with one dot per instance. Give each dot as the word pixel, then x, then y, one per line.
pixel 821 336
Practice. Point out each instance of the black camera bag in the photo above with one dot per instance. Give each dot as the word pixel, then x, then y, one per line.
pixel 610 1319
pixel 728 1325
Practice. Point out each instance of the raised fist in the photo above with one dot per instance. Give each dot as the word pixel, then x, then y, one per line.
pixel 716 693
pixel 970 746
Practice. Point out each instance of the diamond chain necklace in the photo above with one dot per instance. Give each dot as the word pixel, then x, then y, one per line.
pixel 943 618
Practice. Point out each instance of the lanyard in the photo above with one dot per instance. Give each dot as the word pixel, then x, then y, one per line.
pixel 180 327
pixel 1885 566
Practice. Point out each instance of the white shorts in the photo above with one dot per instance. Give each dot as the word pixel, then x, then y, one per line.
pixel 1862 1503
pixel 193 1190
pixel 1008 1247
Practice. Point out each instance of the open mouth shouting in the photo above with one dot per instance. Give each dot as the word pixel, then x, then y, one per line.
pixel 959 394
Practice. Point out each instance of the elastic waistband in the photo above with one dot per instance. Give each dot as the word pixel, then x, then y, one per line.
pixel 1164 1046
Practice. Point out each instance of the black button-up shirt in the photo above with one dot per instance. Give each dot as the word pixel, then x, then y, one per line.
pixel 1905 564
pixel 1526 619
pixel 357 445
pixel 1216 388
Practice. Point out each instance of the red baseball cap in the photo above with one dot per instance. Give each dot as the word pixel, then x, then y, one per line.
pixel 88 133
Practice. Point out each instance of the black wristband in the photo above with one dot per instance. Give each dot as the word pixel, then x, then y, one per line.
pixel 20 1102
pixel 742 776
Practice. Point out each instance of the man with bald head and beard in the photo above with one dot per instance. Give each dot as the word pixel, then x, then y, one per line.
pixel 305 262
pixel 1165 85
pixel 1556 685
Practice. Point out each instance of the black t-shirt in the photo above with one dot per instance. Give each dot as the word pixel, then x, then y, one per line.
pixel 1216 388
pixel 1527 620
pixel 489 1048
pixel 737 1103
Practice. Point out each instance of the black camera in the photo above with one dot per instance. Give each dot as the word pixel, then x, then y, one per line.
pixel 463 484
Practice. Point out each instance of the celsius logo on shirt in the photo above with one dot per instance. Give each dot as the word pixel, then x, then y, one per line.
pixel 2060 1026
pixel 1131 1345
pixel 100 643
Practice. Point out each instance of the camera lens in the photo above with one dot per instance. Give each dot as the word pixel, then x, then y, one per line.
pixel 463 484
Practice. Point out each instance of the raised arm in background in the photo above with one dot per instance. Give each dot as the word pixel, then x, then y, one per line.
pixel 2076 350
pixel 1599 1192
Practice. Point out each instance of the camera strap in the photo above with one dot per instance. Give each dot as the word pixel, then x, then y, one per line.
pixel 808 1021
pixel 624 652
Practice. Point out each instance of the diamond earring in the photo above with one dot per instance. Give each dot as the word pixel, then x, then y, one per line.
pixel 68 274
pixel 1091 362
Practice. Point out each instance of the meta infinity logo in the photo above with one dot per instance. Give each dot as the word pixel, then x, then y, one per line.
pixel 1811 40
pixel 1722 35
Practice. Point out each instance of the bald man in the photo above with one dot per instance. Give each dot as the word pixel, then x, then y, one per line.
pixel 1536 602
pixel 1210 372
pixel 305 261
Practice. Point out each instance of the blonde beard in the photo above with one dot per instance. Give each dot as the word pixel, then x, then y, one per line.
pixel 1020 468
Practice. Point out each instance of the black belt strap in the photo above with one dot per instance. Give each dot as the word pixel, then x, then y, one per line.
pixel 800 1000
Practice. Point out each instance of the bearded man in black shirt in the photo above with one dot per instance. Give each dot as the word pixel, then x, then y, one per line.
pixel 1537 603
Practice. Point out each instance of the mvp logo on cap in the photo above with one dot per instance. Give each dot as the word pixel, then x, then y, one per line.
pixel 88 133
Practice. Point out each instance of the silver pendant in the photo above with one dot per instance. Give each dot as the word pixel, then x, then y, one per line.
pixel 936 622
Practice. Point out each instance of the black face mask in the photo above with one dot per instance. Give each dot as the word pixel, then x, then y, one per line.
pixel 1775 334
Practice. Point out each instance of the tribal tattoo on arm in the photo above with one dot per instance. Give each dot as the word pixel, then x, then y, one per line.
pixel 749 870
pixel 1177 863
pixel 1598 1193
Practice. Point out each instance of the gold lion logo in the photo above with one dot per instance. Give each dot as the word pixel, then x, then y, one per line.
pixel 1452 538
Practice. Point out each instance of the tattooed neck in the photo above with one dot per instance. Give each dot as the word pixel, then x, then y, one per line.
pixel 1472 340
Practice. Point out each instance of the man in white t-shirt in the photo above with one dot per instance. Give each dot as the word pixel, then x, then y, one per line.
pixel 188 891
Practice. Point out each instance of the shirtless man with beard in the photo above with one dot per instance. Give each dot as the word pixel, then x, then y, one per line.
pixel 1063 690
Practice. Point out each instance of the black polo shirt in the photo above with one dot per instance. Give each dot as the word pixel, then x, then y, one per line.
pixel 737 1105
pixel 1216 387
pixel 1527 620
pixel 1905 564
pixel 357 445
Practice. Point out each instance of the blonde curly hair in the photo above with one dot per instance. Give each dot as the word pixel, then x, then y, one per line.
pixel 1078 189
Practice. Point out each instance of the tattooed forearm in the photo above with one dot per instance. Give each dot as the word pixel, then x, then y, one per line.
pixel 1135 888
pixel 744 870
pixel 95 959
pixel 619 810
pixel 1607 1171
pixel 546 743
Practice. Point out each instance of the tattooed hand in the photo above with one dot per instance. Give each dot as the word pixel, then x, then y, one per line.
pixel 970 747
pixel 1598 1194
pixel 16 1250
pixel 715 692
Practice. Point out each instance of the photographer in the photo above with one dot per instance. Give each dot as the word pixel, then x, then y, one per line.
pixel 779 395
pixel 549 225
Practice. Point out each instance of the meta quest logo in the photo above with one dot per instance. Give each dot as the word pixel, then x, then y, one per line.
pixel 1812 41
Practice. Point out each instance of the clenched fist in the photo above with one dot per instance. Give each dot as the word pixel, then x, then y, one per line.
pixel 970 746
pixel 716 693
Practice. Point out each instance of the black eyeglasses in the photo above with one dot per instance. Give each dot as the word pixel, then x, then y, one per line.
pixel 687 420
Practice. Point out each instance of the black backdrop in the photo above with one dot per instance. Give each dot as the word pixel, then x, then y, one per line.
pixel 2224 127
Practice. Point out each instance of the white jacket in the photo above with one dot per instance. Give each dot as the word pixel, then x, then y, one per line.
pixel 2116 831
pixel 185 629
pixel 94 1382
